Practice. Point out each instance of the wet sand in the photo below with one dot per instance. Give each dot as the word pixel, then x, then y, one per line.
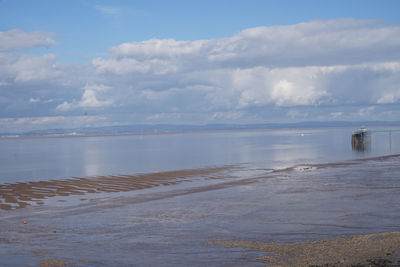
pixel 380 249
pixel 338 214
pixel 20 195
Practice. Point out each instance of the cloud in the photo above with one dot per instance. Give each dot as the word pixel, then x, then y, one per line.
pixel 131 65
pixel 162 117
pixel 318 70
pixel 315 43
pixel 34 100
pixel 156 48
pixel 24 124
pixel 317 63
pixel 88 100
pixel 65 106
pixel 27 78
pixel 108 10
pixel 280 87
pixel 289 93
pixel 336 114
pixel 218 116
pixel 26 68
pixel 389 97
pixel 366 111
pixel 19 40
pixel 3 83
pixel 296 114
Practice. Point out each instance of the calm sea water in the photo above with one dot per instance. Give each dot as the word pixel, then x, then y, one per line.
pixel 33 159
pixel 169 225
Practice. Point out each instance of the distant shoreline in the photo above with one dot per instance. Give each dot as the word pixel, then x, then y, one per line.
pixel 183 129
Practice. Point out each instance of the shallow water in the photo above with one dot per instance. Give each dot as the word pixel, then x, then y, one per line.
pixel 268 191
pixel 170 225
pixel 36 159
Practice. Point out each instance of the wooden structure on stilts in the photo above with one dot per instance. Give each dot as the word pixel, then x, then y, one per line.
pixel 361 140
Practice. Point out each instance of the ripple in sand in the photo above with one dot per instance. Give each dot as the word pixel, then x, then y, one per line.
pixel 20 195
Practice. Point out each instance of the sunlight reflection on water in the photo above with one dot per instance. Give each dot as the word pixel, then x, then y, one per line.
pixel 27 159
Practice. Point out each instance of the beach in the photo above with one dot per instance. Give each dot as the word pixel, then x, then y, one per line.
pixel 216 217
pixel 199 133
pixel 298 213
pixel 379 249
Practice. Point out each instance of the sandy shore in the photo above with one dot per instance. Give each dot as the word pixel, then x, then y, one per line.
pixel 20 195
pixel 341 214
pixel 380 249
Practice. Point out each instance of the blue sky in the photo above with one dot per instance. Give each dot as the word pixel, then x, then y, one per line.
pixel 94 63
pixel 87 27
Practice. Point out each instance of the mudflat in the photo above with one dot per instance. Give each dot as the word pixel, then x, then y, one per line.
pixel 339 214
pixel 19 195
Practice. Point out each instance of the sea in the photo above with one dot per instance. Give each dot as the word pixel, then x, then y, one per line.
pixel 175 192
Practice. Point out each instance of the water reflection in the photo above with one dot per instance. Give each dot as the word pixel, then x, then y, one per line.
pixel 378 141
pixel 92 158
pixel 38 159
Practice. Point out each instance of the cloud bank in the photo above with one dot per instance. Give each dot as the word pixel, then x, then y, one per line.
pixel 342 69
pixel 19 40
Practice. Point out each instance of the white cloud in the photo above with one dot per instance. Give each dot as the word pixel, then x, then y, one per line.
pixel 89 99
pixel 336 114
pixel 20 40
pixel 108 10
pixel 307 64
pixel 131 65
pixel 3 83
pixel 162 117
pixel 96 87
pixel 366 111
pixel 156 96
pixel 34 100
pixel 230 116
pixel 389 97
pixel 159 48
pixel 295 114
pixel 65 106
pixel 296 72
pixel 280 87
pixel 26 68
pixel 286 93
pixel 315 43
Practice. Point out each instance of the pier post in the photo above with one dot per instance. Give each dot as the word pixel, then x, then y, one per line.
pixel 360 140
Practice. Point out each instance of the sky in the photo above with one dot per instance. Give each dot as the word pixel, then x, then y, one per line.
pixel 88 63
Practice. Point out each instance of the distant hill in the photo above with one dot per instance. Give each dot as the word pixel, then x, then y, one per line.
pixel 168 128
